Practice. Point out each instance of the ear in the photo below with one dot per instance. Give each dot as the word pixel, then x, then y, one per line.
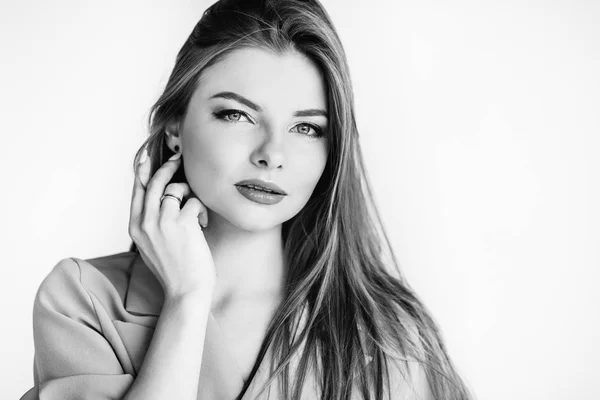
pixel 173 137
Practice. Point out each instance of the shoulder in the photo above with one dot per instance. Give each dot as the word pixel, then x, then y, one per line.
pixel 114 268
pixel 75 316
pixel 73 281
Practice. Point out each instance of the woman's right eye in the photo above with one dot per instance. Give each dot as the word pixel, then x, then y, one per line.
pixel 230 115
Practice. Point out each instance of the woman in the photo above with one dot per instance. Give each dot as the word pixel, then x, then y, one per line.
pixel 259 267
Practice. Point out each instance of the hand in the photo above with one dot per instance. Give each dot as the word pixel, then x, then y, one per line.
pixel 170 239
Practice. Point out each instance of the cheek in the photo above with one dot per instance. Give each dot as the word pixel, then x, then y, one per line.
pixel 207 163
pixel 309 169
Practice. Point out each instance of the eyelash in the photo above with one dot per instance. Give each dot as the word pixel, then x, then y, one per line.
pixel 222 114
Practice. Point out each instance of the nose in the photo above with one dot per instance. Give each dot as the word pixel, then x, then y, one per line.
pixel 270 153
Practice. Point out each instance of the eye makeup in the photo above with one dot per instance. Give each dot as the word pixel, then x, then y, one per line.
pixel 225 115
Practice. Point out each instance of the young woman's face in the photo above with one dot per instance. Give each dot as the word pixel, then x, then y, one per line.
pixel 255 115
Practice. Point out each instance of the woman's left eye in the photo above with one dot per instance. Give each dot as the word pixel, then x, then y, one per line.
pixel 305 129
pixel 231 115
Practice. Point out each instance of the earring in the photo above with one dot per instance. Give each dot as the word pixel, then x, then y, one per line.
pixel 176 148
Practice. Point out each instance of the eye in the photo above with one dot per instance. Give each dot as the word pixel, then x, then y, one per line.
pixel 305 128
pixel 231 115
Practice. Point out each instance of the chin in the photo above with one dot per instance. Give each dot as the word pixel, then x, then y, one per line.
pixel 255 220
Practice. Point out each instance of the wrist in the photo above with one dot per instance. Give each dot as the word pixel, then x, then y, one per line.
pixel 198 299
pixel 188 290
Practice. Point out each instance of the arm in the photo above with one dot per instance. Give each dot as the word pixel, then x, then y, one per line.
pixel 171 368
pixel 173 246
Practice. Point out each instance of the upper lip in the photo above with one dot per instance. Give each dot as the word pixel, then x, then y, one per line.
pixel 262 184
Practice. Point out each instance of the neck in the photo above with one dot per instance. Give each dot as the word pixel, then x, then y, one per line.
pixel 249 264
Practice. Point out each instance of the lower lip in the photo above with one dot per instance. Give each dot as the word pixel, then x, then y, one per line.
pixel 259 196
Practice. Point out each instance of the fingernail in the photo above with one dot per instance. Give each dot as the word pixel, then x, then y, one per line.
pixel 175 156
pixel 143 157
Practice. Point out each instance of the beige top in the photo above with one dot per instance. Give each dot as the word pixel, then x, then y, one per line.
pixel 93 321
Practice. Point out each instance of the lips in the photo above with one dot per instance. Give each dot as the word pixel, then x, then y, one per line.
pixel 262 189
pixel 259 196
pixel 263 186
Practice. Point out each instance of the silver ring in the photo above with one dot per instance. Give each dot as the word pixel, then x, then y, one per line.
pixel 169 196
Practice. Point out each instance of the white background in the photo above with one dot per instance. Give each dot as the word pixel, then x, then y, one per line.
pixel 480 127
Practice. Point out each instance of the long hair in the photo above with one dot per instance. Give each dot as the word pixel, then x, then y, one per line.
pixel 342 272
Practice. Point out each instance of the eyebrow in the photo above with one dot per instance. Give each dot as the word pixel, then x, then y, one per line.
pixel 313 112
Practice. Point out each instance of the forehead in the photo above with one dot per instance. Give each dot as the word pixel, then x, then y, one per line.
pixel 274 81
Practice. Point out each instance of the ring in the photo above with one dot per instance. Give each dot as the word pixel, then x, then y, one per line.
pixel 171 196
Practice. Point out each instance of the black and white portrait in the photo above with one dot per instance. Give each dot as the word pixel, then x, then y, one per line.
pixel 300 200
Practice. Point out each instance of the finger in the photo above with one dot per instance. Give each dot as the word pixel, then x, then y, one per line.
pixel 156 186
pixel 192 210
pixel 144 171
pixel 138 191
pixel 169 208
